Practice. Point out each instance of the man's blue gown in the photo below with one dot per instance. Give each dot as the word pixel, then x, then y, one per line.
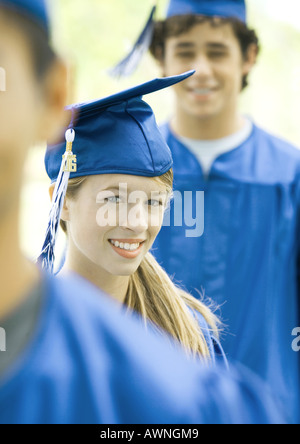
pixel 247 260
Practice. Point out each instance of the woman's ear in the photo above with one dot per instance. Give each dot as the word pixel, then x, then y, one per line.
pixel 65 210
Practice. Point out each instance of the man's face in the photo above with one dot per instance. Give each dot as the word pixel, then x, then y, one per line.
pixel 215 54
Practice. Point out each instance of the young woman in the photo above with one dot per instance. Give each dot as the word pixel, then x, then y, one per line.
pixel 114 209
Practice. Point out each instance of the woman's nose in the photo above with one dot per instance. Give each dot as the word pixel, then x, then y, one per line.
pixel 134 218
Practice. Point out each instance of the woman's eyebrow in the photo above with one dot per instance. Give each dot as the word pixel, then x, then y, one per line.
pixel 134 190
pixel 109 189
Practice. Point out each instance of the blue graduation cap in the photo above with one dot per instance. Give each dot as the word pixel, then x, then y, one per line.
pixel 114 135
pixel 34 9
pixel 211 8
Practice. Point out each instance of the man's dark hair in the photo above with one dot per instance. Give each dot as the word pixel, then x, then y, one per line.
pixel 38 40
pixel 177 25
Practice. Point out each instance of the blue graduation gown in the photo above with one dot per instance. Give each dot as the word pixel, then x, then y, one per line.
pixel 247 260
pixel 90 363
pixel 216 351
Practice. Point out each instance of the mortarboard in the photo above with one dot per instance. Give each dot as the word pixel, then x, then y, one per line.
pixel 114 135
pixel 36 10
pixel 217 8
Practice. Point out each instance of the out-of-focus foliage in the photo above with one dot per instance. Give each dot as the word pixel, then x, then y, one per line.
pixel 94 34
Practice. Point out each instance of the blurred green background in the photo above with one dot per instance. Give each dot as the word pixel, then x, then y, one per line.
pixel 93 34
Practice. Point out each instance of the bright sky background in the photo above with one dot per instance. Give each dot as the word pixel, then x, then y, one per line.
pixel 286 11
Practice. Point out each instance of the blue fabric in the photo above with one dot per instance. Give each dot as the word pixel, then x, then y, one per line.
pixel 247 261
pixel 220 8
pixel 215 348
pixel 34 9
pixel 117 135
pixel 89 363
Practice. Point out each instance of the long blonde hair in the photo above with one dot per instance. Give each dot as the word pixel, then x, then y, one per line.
pixel 152 293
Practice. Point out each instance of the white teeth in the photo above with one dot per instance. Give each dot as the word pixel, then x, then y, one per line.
pixel 125 246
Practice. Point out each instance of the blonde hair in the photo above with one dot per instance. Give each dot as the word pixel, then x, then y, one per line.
pixel 152 293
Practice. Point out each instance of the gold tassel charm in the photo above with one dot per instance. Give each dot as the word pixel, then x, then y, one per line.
pixel 70 160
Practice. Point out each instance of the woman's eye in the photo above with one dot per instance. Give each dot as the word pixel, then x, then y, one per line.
pixel 155 203
pixel 112 199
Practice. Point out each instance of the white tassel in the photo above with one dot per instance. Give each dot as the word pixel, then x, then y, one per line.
pixel 68 165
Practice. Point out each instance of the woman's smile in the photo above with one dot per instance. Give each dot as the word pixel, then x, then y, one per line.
pixel 127 248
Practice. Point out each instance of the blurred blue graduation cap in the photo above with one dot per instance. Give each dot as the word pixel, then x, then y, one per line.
pixel 129 64
pixel 114 135
pixel 35 10
pixel 211 8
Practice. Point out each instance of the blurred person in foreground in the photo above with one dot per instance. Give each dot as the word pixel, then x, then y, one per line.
pixel 71 355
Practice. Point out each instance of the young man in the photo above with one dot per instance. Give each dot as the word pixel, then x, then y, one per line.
pixel 247 260
pixel 71 355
